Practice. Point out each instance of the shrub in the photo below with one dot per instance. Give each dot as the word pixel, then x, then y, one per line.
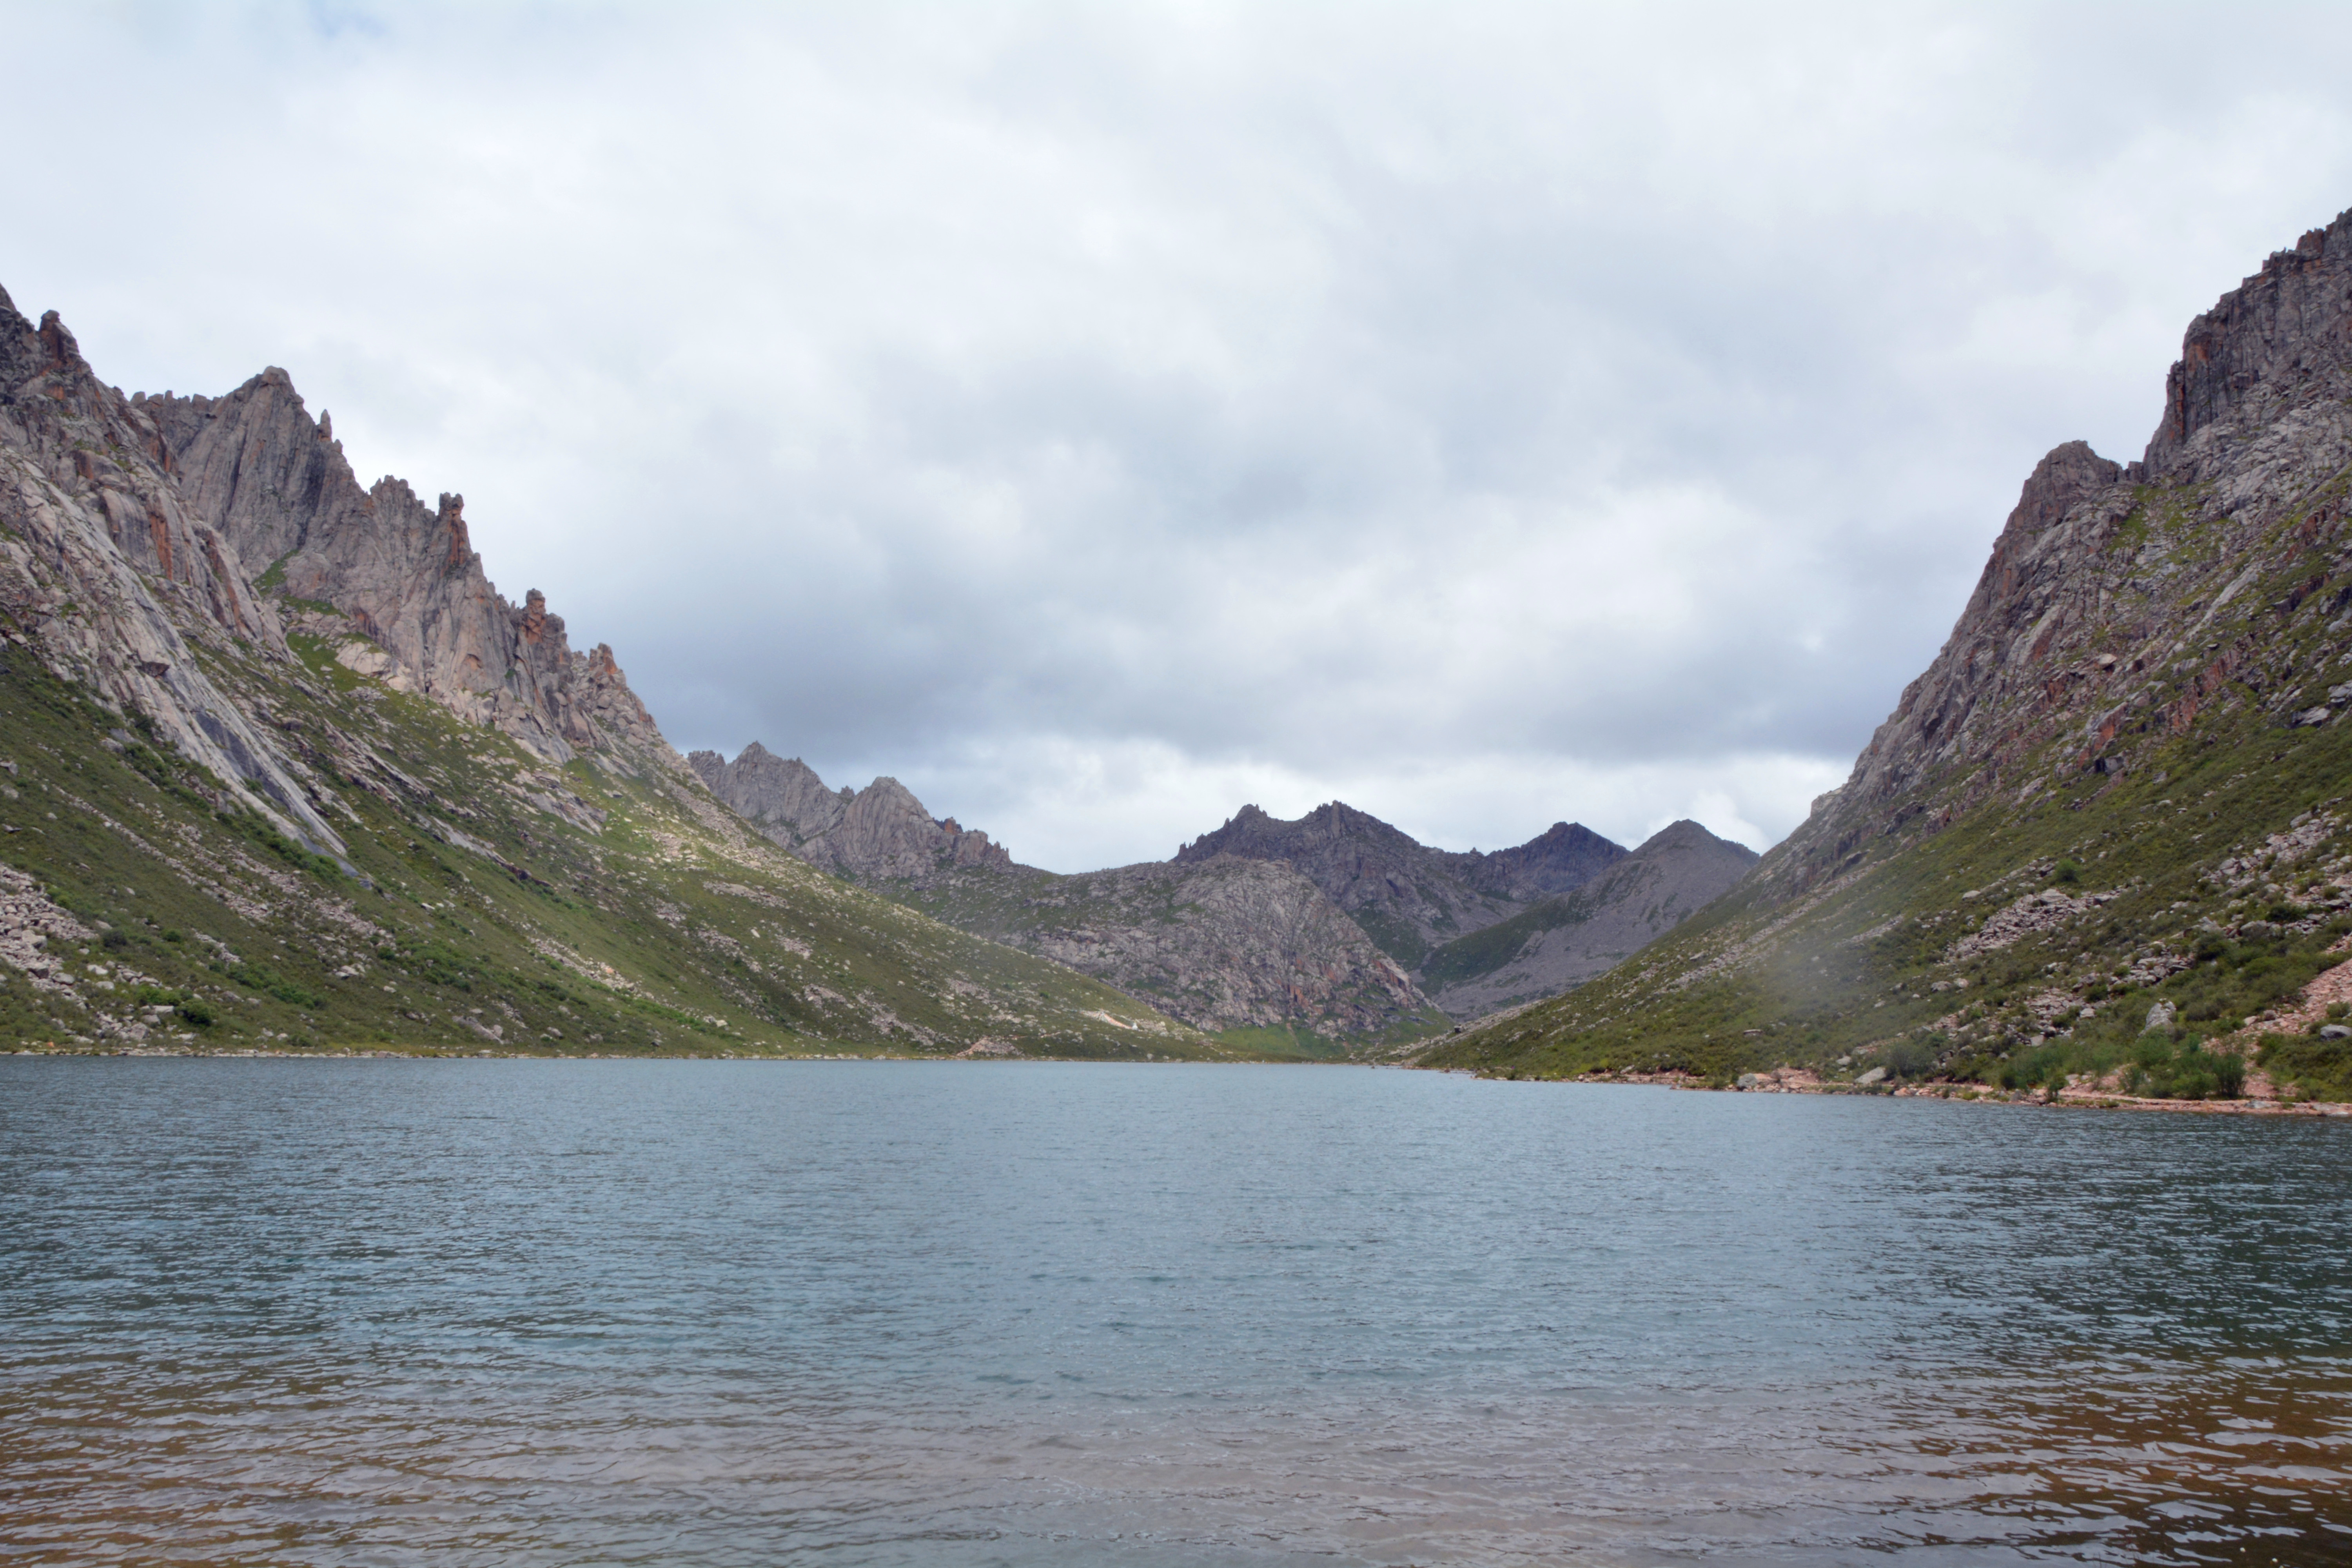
pixel 197 1012
pixel 1908 1058
pixel 2068 872
pixel 113 941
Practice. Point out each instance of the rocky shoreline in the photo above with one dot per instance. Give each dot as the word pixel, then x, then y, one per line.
pixel 1800 1081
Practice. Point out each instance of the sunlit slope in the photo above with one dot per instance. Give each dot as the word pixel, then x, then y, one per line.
pixel 489 902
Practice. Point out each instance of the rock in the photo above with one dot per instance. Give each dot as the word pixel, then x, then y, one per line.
pixel 1875 1075
pixel 880 833
pixel 1408 897
pixel 2335 1032
pixel 2312 716
pixel 2160 1015
pixel 1224 942
pixel 277 487
pixel 1563 941
pixel 117 578
pixel 1750 1080
pixel 2252 928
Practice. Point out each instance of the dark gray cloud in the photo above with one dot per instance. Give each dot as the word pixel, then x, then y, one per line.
pixel 1100 416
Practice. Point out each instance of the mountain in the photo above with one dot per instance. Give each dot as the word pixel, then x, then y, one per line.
pixel 1408 897
pixel 282 769
pixel 2101 840
pixel 1308 932
pixel 1246 949
pixel 1487 931
pixel 880 832
pixel 1562 942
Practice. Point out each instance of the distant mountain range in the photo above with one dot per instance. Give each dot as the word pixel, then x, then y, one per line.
pixel 286 770
pixel 1336 932
pixel 2105 840
pixel 283 770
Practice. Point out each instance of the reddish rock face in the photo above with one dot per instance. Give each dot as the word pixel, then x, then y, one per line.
pixel 2089 626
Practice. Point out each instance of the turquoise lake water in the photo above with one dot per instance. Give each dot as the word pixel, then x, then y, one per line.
pixel 384 1313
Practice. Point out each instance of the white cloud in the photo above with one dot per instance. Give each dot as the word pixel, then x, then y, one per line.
pixel 1098 416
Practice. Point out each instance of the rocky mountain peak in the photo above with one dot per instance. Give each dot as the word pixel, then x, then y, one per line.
pixel 881 832
pixel 2281 335
pixel 2102 576
pixel 118 581
pixel 406 577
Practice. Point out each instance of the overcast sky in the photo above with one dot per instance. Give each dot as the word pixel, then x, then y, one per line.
pixel 1102 416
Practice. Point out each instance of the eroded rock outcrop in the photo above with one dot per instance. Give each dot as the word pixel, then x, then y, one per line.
pixel 116 581
pixel 879 833
pixel 255 467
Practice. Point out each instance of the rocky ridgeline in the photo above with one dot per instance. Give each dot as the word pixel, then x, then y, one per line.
pixel 1337 925
pixel 224 658
pixel 878 833
pixel 2101 626
pixel 1562 942
pixel 274 483
pixel 109 573
pixel 1226 943
pixel 2096 815
pixel 1407 895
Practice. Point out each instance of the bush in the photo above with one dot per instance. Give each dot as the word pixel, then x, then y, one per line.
pixel 2068 872
pixel 198 1013
pixel 1908 1058
pixel 113 941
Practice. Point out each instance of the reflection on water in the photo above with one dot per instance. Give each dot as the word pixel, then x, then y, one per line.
pixel 947 1314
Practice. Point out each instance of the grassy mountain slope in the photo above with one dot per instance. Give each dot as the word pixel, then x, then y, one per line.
pixel 405 814
pixel 492 902
pixel 2103 839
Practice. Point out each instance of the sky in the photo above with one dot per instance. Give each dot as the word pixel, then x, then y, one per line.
pixel 1098 417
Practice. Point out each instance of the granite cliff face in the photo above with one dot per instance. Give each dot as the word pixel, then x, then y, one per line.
pixel 274 483
pixel 1408 897
pixel 2130 746
pixel 110 574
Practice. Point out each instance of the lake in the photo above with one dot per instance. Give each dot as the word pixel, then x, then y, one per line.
pixel 518 1312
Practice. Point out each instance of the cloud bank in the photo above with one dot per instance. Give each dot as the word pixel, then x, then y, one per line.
pixel 1098 417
